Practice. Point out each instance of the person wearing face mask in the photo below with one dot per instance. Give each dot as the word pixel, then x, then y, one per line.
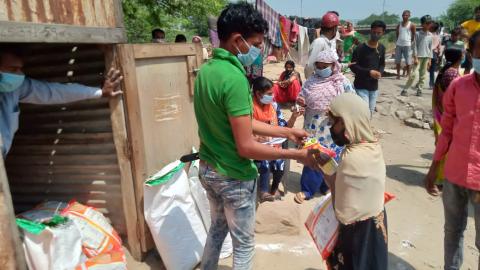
pixel 287 88
pixel 17 88
pixel 326 41
pixel 459 141
pixel 470 27
pixel 368 64
pixel 158 36
pixel 318 91
pixel 223 109
pixel 422 56
pixel 267 111
pixel 358 188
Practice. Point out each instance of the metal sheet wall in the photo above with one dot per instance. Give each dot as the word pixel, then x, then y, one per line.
pixel 66 152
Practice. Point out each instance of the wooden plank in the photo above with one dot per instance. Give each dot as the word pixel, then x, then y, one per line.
pixel 58 189
pixel 142 51
pixel 59 33
pixel 120 138
pixel 97 126
pixel 126 58
pixel 11 252
pixel 118 10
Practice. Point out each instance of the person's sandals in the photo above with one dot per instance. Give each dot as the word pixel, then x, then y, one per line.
pixel 419 93
pixel 404 93
pixel 267 197
pixel 277 195
pixel 299 197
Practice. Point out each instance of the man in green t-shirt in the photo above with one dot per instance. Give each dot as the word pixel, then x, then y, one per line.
pixel 223 108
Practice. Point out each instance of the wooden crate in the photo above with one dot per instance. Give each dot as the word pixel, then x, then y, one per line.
pixel 79 21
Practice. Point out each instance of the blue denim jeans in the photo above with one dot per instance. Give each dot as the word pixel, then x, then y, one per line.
pixel 370 97
pixel 455 204
pixel 232 207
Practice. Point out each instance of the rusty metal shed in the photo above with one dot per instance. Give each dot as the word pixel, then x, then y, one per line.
pixel 99 151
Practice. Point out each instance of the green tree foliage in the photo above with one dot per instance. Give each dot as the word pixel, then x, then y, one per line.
pixel 173 16
pixel 386 17
pixel 458 12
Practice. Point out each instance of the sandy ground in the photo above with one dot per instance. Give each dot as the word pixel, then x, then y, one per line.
pixel 415 220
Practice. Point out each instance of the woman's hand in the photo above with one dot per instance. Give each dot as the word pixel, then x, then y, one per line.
pixel 301 101
pixel 430 179
pixel 297 111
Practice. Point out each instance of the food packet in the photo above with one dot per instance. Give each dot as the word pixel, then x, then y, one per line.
pixel 329 168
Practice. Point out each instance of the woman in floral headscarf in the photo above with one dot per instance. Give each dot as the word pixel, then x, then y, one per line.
pixel 317 93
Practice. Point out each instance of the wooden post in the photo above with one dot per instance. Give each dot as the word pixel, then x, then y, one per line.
pixel 12 255
pixel 117 115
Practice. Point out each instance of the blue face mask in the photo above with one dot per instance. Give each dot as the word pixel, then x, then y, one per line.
pixel 266 99
pixel 324 73
pixel 248 58
pixel 9 82
pixel 476 65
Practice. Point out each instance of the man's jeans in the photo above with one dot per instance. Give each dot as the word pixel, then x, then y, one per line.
pixel 455 204
pixel 232 207
pixel 370 97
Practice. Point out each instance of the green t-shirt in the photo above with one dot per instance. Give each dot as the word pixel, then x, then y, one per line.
pixel 221 91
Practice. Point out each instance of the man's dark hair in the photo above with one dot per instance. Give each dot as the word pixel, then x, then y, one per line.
pixel 334 12
pixel 157 31
pixel 291 63
pixel 378 23
pixel 406 11
pixel 11 48
pixel 180 38
pixel 435 26
pixel 477 9
pixel 457 31
pixel 240 18
pixel 261 84
pixel 473 40
pixel 426 19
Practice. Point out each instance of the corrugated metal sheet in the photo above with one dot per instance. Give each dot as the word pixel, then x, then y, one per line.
pixel 94 13
pixel 67 151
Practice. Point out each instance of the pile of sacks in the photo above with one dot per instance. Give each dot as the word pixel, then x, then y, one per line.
pixel 59 236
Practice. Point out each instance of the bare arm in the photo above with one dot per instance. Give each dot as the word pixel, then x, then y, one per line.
pixel 413 28
pixel 397 31
pixel 247 147
pixel 293 134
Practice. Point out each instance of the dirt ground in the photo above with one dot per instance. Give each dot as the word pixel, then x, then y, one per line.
pixel 415 219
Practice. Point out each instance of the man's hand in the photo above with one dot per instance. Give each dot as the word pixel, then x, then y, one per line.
pixel 375 74
pixel 415 61
pixel 297 136
pixel 307 158
pixel 111 84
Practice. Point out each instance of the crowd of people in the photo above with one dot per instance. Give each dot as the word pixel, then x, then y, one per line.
pixel 238 119
pixel 240 126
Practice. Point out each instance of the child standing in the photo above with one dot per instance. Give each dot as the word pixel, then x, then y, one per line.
pixel 267 111
pixel 422 55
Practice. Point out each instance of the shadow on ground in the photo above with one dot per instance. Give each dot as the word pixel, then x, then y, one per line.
pixel 397 263
pixel 407 174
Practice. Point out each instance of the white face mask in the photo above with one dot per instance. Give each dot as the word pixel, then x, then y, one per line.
pixel 158 40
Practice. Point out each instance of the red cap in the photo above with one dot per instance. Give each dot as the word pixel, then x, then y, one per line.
pixel 330 20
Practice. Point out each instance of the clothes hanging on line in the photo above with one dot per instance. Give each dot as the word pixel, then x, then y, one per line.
pixel 272 18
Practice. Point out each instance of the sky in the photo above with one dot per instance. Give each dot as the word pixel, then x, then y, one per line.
pixel 359 9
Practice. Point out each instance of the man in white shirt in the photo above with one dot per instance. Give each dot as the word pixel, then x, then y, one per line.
pixel 328 33
pixel 405 36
